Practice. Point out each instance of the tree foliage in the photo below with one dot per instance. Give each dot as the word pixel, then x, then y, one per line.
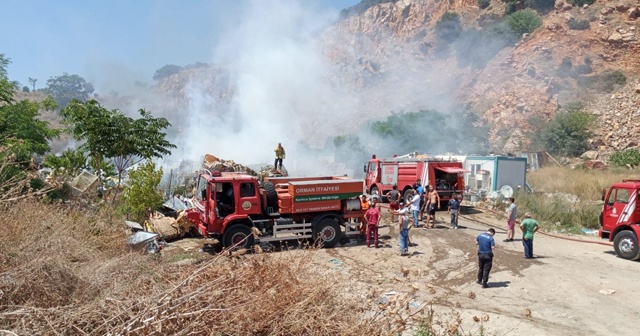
pixel 568 132
pixel 484 3
pixel 166 71
pixel 142 195
pixel 67 87
pixel 629 157
pixel 68 164
pixel 524 21
pixel 6 86
pixel 109 134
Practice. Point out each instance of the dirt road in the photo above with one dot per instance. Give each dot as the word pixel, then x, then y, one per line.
pixel 571 288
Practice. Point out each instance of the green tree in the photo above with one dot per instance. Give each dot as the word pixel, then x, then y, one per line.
pixel 109 134
pixel 143 137
pixel 68 87
pixel 68 164
pixel 568 132
pixel 33 81
pixel 6 86
pixel 142 195
pixel 524 21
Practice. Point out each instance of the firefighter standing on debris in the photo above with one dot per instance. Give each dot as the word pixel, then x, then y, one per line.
pixel 280 155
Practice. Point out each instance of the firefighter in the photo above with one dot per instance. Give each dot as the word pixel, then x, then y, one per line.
pixel 364 206
pixel 280 155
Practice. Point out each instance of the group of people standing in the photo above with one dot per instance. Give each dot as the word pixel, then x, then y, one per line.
pixel 486 243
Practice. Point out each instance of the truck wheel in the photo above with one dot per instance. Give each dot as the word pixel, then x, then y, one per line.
pixel 626 245
pixel 236 234
pixel 327 232
pixel 407 196
pixel 272 195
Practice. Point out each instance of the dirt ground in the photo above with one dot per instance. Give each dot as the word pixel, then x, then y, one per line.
pixel 570 288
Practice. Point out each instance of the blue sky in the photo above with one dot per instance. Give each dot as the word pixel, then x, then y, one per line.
pixel 46 38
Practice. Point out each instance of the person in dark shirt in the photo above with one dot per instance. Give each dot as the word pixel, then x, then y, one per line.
pixel 454 210
pixel 486 245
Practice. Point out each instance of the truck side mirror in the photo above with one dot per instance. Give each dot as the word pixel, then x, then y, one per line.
pixel 365 168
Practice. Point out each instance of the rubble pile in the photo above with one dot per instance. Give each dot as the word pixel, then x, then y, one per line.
pixel 212 163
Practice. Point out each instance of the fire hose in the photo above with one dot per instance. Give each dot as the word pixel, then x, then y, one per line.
pixel 539 231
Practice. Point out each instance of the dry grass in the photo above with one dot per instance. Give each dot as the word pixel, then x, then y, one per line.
pixel 553 203
pixel 586 184
pixel 69 271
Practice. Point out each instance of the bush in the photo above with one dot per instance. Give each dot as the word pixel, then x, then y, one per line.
pixel 141 194
pixel 541 5
pixel 25 89
pixel 605 82
pixel 484 3
pixel 558 213
pixel 628 157
pixel 448 28
pixel 578 24
pixel 568 132
pixel 524 21
pixel 580 3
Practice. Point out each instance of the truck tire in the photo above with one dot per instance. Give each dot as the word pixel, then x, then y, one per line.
pixel 626 245
pixel 327 232
pixel 272 195
pixel 236 234
pixel 407 196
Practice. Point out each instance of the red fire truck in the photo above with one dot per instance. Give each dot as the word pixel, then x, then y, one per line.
pixel 445 176
pixel 237 208
pixel 620 218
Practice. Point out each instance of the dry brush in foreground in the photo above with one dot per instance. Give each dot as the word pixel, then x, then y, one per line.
pixel 68 271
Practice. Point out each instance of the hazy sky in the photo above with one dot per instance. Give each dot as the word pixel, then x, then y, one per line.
pixel 46 38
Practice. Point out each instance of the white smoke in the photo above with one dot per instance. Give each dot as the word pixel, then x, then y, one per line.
pixel 281 88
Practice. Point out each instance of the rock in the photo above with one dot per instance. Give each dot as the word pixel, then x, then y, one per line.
pixel 559 5
pixel 607 291
pixel 622 8
pixel 628 37
pixel 615 38
pixel 638 88
pixel 585 6
pixel 633 13
pixel 567 7
pixel 590 155
pixel 606 11
pixel 568 17
pixel 595 164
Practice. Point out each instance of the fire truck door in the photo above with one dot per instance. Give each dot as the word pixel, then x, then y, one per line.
pixel 372 173
pixel 617 206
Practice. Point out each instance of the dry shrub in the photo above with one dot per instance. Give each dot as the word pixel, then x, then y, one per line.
pixel 68 271
pixel 586 184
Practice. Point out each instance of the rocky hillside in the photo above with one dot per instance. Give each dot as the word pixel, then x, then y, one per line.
pixel 387 55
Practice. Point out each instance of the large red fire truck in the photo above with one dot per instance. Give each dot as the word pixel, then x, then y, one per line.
pixel 446 176
pixel 237 208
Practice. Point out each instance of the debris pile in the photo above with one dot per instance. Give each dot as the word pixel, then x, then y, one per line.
pixel 212 163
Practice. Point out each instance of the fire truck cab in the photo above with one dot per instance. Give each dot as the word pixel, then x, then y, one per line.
pixel 620 218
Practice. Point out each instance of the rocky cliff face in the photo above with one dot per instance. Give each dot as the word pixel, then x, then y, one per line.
pixel 388 57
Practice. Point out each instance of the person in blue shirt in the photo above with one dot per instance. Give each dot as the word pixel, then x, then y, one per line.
pixel 454 210
pixel 486 245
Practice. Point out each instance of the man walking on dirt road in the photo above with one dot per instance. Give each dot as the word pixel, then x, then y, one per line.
pixel 280 155
pixel 511 219
pixel 528 226
pixel 486 245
